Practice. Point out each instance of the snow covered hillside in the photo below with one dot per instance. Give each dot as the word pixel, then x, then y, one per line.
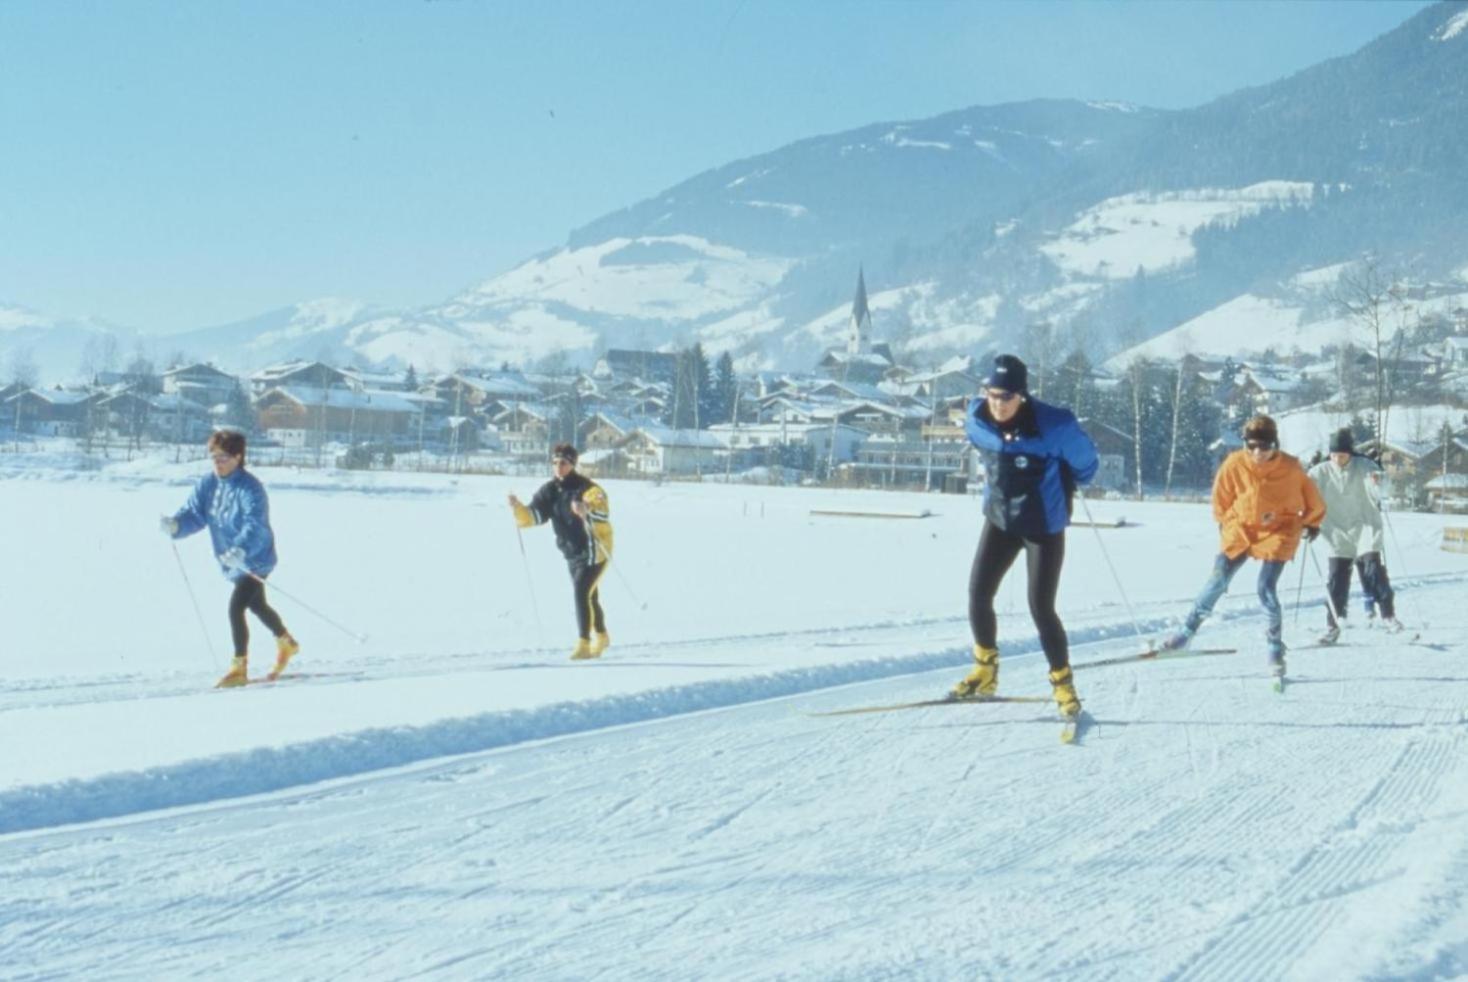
pixel 455 798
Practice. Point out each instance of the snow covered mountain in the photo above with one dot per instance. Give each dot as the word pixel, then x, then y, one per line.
pixel 1115 224
pixel 40 348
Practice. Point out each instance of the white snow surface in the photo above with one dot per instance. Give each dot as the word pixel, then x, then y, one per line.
pixel 456 799
pixel 697 279
pixel 1153 231
pixel 1253 323
pixel 1456 25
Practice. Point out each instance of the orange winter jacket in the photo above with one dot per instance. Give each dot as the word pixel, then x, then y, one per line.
pixel 1262 508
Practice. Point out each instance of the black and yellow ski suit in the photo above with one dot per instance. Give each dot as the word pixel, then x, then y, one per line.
pixel 586 543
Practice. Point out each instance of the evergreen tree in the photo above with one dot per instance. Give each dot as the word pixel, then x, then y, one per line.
pixel 238 412
pixel 410 380
pixel 726 388
pixel 692 396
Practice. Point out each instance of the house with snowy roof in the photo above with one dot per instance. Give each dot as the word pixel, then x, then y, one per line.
pixel 298 416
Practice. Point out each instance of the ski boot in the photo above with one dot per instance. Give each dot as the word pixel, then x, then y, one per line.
pixel 1066 700
pixel 600 641
pixel 1277 670
pixel 583 651
pixel 983 681
pixel 238 674
pixel 1331 636
pixel 285 649
pixel 1392 625
pixel 1178 640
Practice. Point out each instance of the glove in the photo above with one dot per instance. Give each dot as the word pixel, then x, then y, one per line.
pixel 167 526
pixel 1312 532
pixel 233 558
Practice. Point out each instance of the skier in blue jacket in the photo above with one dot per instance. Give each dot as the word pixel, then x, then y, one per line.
pixel 231 502
pixel 1034 456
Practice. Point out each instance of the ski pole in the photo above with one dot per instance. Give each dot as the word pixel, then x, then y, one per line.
pixel 615 568
pixel 213 658
pixel 359 638
pixel 1331 614
pixel 1396 544
pixel 1300 590
pixel 530 586
pixel 1136 626
pixel 642 605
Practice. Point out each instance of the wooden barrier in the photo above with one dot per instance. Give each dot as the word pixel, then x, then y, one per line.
pixel 1455 538
pixel 870 513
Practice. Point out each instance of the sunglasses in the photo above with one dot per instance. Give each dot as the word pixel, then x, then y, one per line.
pixel 1259 445
pixel 999 395
pixel 220 458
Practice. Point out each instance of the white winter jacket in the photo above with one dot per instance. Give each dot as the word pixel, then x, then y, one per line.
pixel 1352 525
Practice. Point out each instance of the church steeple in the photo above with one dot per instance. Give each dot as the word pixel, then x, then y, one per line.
pixel 859 338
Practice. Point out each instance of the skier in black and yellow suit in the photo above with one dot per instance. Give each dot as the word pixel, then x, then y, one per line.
pixel 577 509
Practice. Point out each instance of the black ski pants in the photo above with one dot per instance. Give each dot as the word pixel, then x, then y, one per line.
pixel 586 582
pixel 249 594
pixel 1044 556
pixel 1374 583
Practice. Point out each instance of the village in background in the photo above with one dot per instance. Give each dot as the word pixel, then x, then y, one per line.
pixel 861 417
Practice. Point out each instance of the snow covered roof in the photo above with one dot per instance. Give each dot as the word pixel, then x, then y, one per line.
pixel 173 402
pixel 499 384
pixel 369 400
pixel 198 368
pixel 668 437
pixel 56 397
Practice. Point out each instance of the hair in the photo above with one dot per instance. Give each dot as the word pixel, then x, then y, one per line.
pixel 231 442
pixel 1263 429
pixel 565 450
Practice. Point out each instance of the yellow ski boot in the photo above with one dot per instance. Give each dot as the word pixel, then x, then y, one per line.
pixel 285 649
pixel 983 681
pixel 238 674
pixel 1063 682
pixel 600 642
pixel 583 651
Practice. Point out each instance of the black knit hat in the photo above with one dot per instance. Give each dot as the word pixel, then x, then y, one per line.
pixel 1341 441
pixel 564 451
pixel 1008 373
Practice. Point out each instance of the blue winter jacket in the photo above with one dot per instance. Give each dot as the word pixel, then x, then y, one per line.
pixel 237 513
pixel 1032 467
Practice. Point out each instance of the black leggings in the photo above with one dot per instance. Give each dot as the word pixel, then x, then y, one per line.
pixel 1044 555
pixel 1374 583
pixel 249 593
pixel 585 581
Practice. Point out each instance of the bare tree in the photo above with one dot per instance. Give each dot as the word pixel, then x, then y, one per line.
pixel 23 374
pixel 1177 406
pixel 1369 295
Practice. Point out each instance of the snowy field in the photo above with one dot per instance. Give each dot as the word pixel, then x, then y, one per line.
pixel 453 798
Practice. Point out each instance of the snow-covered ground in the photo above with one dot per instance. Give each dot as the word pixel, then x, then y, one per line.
pixel 455 798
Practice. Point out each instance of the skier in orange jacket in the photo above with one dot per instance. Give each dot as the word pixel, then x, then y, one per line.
pixel 1264 502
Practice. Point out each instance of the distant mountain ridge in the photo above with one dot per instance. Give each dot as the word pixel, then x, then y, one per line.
pixel 1113 224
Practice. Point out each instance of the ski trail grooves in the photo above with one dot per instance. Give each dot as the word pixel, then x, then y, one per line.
pixel 1289 920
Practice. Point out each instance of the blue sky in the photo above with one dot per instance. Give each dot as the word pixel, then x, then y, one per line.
pixel 174 165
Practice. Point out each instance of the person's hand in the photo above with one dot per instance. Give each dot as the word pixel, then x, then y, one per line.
pixel 514 501
pixel 1312 532
pixel 578 508
pixel 167 526
pixel 233 557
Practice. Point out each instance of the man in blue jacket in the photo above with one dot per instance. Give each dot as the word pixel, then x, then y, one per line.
pixel 231 502
pixel 1034 456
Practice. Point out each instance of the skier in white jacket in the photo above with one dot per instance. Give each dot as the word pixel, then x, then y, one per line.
pixel 1353 532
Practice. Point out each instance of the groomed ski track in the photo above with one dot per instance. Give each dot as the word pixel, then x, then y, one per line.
pixel 1207 828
